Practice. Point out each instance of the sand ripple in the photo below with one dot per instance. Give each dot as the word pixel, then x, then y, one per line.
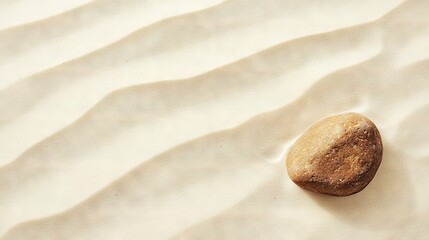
pixel 170 119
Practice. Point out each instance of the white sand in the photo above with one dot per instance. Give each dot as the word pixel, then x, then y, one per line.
pixel 169 119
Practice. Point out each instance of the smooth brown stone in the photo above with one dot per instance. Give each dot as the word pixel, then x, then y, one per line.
pixel 337 156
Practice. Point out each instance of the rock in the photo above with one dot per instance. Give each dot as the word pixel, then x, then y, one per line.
pixel 337 156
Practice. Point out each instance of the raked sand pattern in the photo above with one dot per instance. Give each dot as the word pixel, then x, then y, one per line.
pixel 170 119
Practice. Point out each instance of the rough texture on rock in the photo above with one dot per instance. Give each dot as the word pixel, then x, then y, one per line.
pixel 337 156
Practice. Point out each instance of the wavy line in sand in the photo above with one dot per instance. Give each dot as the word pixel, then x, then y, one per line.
pixel 281 208
pixel 10 113
pixel 32 91
pixel 27 93
pixel 142 108
pixel 251 138
pixel 54 41
pixel 154 180
pixel 15 12
pixel 288 62
pixel 423 91
pixel 27 37
pixel 216 20
pixel 279 205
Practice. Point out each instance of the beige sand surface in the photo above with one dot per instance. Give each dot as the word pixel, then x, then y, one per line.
pixel 170 119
